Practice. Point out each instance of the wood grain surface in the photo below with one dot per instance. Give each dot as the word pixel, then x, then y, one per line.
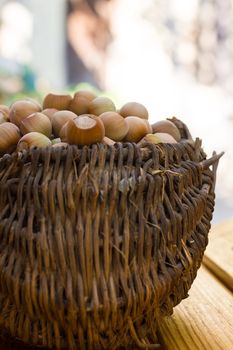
pixel 204 321
pixel 219 253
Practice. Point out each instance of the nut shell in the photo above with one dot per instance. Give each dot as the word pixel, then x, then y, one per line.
pixel 115 125
pixel 138 128
pixel 107 141
pixel 5 110
pixel 149 138
pixel 79 105
pixel 33 139
pixel 100 105
pixel 134 109
pixel 9 137
pixel 3 118
pixel 21 109
pixel 59 119
pixel 62 133
pixel 49 112
pixel 60 102
pixel 166 126
pixel 85 129
pixel 86 94
pixel 165 138
pixel 81 101
pixel 36 122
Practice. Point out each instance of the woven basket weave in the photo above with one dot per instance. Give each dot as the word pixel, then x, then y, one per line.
pixel 98 243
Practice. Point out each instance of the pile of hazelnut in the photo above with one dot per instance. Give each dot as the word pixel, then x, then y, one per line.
pixel 83 119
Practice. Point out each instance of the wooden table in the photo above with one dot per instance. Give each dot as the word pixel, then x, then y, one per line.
pixel 204 321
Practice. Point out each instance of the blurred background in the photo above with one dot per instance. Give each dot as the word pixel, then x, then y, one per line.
pixel 174 56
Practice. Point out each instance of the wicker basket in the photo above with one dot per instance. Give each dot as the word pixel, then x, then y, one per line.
pixel 98 243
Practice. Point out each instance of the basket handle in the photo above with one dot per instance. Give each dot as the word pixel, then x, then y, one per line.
pixel 213 161
pixel 205 164
pixel 184 130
